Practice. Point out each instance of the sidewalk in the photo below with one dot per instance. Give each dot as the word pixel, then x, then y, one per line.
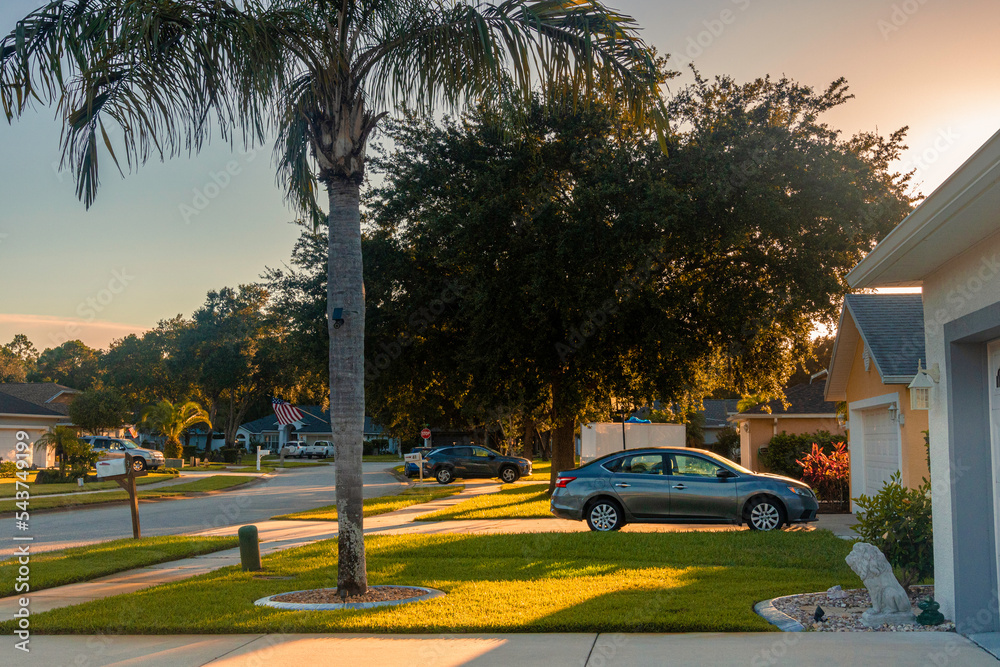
pixel 551 650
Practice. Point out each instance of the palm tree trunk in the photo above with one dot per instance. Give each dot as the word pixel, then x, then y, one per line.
pixel 346 290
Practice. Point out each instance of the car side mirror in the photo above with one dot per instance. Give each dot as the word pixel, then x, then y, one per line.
pixel 492 456
pixel 722 473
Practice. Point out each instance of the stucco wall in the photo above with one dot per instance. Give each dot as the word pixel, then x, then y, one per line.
pixel 868 384
pixel 35 428
pixel 758 431
pixel 964 285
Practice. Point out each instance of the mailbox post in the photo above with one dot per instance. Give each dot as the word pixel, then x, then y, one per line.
pixel 117 467
pixel 416 457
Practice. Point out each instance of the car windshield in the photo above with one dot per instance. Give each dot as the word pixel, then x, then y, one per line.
pixel 128 444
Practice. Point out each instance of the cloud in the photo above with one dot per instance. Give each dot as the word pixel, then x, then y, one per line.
pixel 46 331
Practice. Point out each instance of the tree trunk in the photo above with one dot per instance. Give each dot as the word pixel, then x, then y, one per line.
pixel 527 442
pixel 563 445
pixel 346 290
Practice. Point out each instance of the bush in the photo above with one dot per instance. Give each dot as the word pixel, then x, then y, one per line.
pixel 897 520
pixel 727 444
pixel 191 450
pixel 231 455
pixel 828 474
pixel 8 469
pixel 52 476
pixel 375 446
pixel 784 451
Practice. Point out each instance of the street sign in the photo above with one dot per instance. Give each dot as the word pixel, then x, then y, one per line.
pixel 425 434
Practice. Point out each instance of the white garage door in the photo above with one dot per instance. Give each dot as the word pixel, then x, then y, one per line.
pixel 881 448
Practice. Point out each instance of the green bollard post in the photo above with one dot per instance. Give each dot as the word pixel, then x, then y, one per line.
pixel 249 549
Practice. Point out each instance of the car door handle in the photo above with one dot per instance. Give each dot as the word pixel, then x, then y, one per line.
pixel 623 485
pixel 679 486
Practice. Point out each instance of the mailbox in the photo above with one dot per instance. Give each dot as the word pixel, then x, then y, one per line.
pixel 413 458
pixel 111 464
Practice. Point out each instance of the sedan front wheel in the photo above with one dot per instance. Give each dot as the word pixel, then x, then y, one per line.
pixel 605 516
pixel 765 514
pixel 444 476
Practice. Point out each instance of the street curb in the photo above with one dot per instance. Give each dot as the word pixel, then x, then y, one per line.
pixel 782 621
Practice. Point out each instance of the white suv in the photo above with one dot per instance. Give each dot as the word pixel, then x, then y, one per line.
pixel 292 450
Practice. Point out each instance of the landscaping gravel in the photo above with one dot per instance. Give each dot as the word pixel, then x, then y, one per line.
pixel 844 615
pixel 329 595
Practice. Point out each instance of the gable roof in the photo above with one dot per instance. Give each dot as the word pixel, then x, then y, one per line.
pixel 41 393
pixel 13 405
pixel 803 399
pixel 717 411
pixel 890 326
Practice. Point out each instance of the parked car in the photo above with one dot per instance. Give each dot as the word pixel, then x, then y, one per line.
pixel 142 458
pixel 446 464
pixel 320 449
pixel 292 449
pixel 678 485
pixel 410 469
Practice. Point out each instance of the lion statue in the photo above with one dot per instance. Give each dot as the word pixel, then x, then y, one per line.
pixel 890 603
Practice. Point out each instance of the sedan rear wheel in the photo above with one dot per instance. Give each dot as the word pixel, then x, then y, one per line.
pixel 604 516
pixel 765 515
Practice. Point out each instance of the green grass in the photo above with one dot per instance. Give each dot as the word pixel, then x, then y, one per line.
pixel 213 483
pixel 540 472
pixel 379 505
pixel 543 582
pixel 513 501
pixel 8 490
pixel 66 566
pixel 382 458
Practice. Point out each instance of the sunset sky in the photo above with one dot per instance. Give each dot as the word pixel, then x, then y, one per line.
pixel 134 258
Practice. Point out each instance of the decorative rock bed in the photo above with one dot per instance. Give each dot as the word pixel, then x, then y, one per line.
pixel 322 599
pixel 794 613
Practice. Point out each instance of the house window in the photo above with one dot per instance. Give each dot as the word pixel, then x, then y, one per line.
pixel 920 398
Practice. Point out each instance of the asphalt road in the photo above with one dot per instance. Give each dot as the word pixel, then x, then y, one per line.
pixel 290 490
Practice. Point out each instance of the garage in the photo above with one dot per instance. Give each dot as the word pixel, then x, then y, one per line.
pixel 881 448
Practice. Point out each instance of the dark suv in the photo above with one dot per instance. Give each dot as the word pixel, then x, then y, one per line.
pixel 450 463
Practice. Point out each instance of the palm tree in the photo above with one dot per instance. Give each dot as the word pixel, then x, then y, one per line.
pixel 319 74
pixel 65 442
pixel 171 420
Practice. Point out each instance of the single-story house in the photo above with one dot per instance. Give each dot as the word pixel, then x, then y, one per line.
pixel 879 345
pixel 32 408
pixel 950 247
pixel 314 426
pixel 807 411
pixel 717 412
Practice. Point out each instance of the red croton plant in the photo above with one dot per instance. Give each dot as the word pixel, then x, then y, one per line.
pixel 829 474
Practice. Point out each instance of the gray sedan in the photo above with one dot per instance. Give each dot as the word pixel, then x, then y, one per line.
pixel 678 485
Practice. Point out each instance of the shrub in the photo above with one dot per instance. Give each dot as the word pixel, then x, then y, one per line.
pixel 829 474
pixel 784 451
pixel 8 468
pixel 897 520
pixel 169 471
pixel 51 476
pixel 230 455
pixel 727 444
pixel 375 446
pixel 191 450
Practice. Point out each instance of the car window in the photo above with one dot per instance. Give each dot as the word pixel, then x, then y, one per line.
pixel 479 451
pixel 695 466
pixel 99 443
pixel 460 451
pixel 642 464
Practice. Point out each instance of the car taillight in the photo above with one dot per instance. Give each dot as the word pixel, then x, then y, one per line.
pixel 561 482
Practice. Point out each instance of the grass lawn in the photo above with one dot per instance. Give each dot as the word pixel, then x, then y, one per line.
pixel 213 483
pixel 8 490
pixel 66 566
pixel 544 582
pixel 540 472
pixel 379 505
pixel 513 501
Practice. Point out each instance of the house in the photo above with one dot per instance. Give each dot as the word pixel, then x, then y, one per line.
pixel 805 410
pixel 717 412
pixel 879 344
pixel 314 426
pixel 31 408
pixel 950 247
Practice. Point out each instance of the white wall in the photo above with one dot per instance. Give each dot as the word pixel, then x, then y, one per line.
pixel 962 286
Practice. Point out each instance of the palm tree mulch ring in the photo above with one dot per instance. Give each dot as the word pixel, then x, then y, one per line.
pixel 328 599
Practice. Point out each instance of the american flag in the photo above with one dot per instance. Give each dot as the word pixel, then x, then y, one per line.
pixel 286 412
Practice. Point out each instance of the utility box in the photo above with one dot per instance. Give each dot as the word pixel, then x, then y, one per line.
pixel 600 438
pixel 111 464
